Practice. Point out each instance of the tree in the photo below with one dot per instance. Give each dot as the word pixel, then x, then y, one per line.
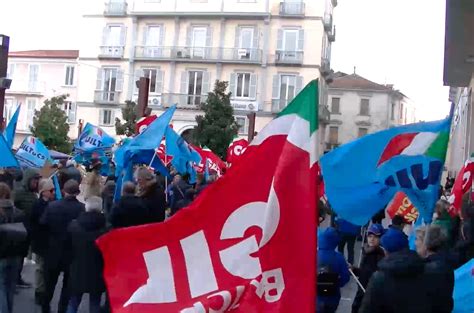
pixel 129 114
pixel 50 125
pixel 217 127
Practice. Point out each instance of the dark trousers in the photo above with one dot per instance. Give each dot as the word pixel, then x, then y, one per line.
pixel 350 241
pixel 51 279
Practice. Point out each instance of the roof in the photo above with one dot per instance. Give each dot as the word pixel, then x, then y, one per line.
pixel 354 81
pixel 47 54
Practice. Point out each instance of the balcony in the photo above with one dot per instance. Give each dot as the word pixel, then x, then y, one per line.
pixel 184 101
pixel 295 9
pixel 289 57
pixel 199 54
pixel 324 114
pixel 115 52
pixel 327 22
pixel 115 8
pixel 26 87
pixel 106 97
pixel 332 34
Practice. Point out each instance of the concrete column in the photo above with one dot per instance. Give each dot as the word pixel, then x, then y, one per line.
pixel 131 59
pixel 221 39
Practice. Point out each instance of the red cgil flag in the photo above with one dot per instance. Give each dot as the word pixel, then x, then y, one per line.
pixel 462 185
pixel 236 149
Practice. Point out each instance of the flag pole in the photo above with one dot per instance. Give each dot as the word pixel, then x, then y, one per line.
pixel 316 151
pixel 166 177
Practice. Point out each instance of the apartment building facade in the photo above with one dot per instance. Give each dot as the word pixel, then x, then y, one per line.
pixel 266 49
pixel 359 106
pixel 36 76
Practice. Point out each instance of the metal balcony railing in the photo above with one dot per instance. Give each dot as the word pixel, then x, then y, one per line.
pixel 27 87
pixel 292 8
pixel 111 51
pixel 185 101
pixel 240 55
pixel 104 96
pixel 289 57
pixel 115 8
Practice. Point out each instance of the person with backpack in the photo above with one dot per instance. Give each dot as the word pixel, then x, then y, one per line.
pixel 13 242
pixel 333 272
pixel 372 253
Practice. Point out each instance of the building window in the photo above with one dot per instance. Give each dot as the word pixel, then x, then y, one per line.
pixel 10 70
pixel 109 83
pixel 333 135
pixel 287 88
pixel 401 112
pixel 362 132
pixel 69 81
pixel 246 37
pixel 243 124
pixel 30 112
pixel 33 71
pixel 152 74
pixel 106 117
pixel 364 107
pixel 335 105
pixel 8 110
pixel 70 109
pixel 153 38
pixel 242 89
pixel 198 41
pixel 392 112
pixel 195 87
pixel 114 36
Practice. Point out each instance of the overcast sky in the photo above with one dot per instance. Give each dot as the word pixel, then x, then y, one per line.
pixel 398 42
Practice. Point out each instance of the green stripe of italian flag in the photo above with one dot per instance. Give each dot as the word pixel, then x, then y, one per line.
pixel 298 121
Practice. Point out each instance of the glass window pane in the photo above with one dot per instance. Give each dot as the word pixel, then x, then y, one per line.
pixel 198 83
pixel 246 38
pixel 153 36
pixel 152 77
pixel 114 35
pixel 246 85
pixel 239 85
pixel 192 78
pixel 290 40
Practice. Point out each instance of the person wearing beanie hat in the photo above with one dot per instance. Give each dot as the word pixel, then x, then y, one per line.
pixel 399 285
pixel 39 234
pixel 372 253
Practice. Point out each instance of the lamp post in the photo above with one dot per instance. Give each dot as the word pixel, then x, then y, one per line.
pixel 4 82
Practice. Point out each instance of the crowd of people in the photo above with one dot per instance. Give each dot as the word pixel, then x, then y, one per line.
pixel 59 235
pixel 391 277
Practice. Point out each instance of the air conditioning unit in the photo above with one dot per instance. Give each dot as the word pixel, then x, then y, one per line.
pixel 183 53
pixel 154 101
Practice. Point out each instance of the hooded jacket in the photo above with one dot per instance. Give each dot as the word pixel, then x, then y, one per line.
pixel 9 214
pixel 25 198
pixel 328 257
pixel 153 197
pixel 399 286
pixel 440 273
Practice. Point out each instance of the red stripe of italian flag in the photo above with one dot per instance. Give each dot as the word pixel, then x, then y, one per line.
pixel 298 121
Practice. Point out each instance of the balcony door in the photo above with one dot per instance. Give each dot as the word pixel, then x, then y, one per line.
pixel 198 42
pixel 109 86
pixel 246 40
pixel 152 42
pixel 194 87
pixel 287 89
pixel 33 77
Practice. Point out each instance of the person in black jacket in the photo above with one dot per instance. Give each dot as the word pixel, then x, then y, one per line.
pixel 152 194
pixel 130 210
pixel 439 269
pixel 372 253
pixel 400 284
pixel 56 218
pixel 12 246
pixel 108 198
pixel 87 263
pixel 38 234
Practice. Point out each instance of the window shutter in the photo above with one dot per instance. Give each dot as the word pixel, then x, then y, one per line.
pixel 301 40
pixel 112 117
pixel 237 37
pixel 184 83
pixel 189 34
pixel 162 36
pixel 145 35
pixel 105 35
pixel 232 83
pixel 72 113
pixel 206 77
pixel 159 81
pixel 98 85
pixel 299 84
pixel 280 40
pixel 123 35
pixel 101 116
pixel 276 87
pixel 253 86
pixel 256 37
pixel 119 85
pixel 209 42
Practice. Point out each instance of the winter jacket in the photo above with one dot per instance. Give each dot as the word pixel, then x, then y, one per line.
pixel 154 199
pixel 86 268
pixel 25 198
pixel 438 268
pixel 38 232
pixel 328 257
pixel 446 223
pixel 347 228
pixel 56 218
pixel 10 214
pixel 108 198
pixel 129 211
pixel 399 286
pixel 371 256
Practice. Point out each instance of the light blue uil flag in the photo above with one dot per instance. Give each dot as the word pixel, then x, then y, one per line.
pixel 361 177
pixel 464 288
pixel 93 139
pixel 32 153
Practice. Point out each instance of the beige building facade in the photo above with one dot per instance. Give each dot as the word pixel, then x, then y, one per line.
pixel 36 76
pixel 266 49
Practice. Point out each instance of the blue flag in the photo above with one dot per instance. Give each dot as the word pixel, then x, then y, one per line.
pixel 7 159
pixel 464 288
pixel 181 152
pixel 93 139
pixel 32 153
pixel 361 177
pixel 11 128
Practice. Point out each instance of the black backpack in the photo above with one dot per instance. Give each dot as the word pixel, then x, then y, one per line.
pixel 328 282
